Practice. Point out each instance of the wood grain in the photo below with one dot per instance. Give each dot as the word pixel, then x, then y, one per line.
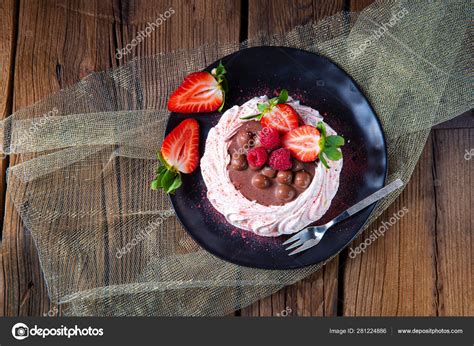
pixel 67 41
pixel 453 174
pixel 8 32
pixel 396 276
pixel 57 45
pixel 421 266
pixel 317 294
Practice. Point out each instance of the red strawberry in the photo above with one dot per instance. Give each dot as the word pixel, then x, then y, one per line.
pixel 200 92
pixel 276 114
pixel 282 117
pixel 179 153
pixel 303 143
pixel 180 147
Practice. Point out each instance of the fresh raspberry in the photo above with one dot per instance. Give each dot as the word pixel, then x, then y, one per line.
pixel 280 160
pixel 257 157
pixel 269 138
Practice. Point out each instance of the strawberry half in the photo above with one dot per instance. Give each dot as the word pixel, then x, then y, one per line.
pixel 282 118
pixel 277 114
pixel 200 92
pixel 306 143
pixel 179 154
pixel 303 143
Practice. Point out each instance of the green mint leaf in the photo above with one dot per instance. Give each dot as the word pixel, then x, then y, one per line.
pixel 323 160
pixel 334 141
pixel 283 97
pixel 333 153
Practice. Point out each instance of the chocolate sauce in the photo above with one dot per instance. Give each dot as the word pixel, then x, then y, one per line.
pixel 245 181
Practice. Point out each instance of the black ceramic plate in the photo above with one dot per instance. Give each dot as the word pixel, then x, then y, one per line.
pixel 319 83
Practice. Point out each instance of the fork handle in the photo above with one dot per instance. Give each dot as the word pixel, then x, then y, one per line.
pixel 369 200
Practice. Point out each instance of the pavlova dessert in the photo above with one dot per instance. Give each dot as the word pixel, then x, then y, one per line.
pixel 271 166
pixel 260 167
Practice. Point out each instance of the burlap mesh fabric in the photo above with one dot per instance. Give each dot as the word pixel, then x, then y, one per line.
pixel 110 246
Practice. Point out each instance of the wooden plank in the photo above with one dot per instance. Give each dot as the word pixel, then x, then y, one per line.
pixel 359 5
pixel 453 170
pixel 465 120
pixel 411 271
pixel 8 32
pixel 276 17
pixel 187 27
pixel 395 276
pixel 317 294
pixel 57 45
pixel 84 39
pixel 422 265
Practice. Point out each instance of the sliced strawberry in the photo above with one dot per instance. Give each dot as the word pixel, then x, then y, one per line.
pixel 200 92
pixel 303 143
pixel 179 153
pixel 276 114
pixel 281 117
pixel 180 147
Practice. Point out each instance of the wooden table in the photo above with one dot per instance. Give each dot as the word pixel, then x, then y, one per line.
pixel 422 266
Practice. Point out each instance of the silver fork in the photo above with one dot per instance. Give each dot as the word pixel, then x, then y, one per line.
pixel 312 235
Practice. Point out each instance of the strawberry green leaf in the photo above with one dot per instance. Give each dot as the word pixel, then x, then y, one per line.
pixel 322 128
pixel 332 153
pixel 283 97
pixel 220 69
pixel 273 102
pixel 219 74
pixel 167 179
pixel 221 107
pixel 262 107
pixel 323 161
pixel 225 86
pixel 154 185
pixel 177 182
pixel 252 116
pixel 163 161
pixel 334 141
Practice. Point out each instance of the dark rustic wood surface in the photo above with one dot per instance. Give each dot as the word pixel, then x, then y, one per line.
pixel 422 266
